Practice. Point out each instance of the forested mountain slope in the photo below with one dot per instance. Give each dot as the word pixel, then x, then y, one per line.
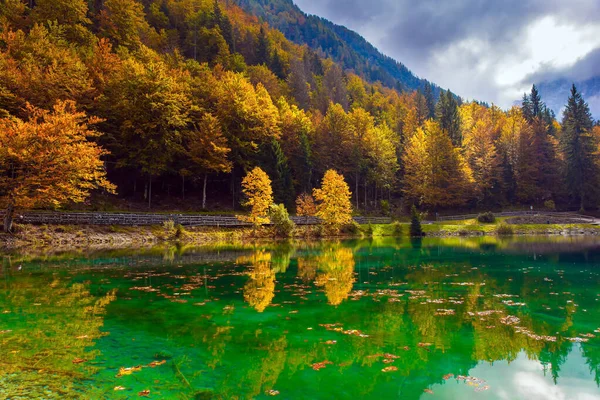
pixel 183 97
pixel 347 47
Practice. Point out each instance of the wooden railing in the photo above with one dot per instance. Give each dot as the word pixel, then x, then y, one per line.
pixel 517 214
pixel 139 219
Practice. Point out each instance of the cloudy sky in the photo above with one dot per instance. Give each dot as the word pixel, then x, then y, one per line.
pixel 491 50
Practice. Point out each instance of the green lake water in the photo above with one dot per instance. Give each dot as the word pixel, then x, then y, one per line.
pixel 452 318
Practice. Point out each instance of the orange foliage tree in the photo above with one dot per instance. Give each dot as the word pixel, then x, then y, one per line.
pixel 334 207
pixel 49 160
pixel 305 206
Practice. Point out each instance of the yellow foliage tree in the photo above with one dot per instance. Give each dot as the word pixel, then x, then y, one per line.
pixel 48 160
pixel 256 187
pixel 435 172
pixel 334 207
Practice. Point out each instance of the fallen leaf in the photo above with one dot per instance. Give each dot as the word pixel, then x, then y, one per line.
pixel 319 365
pixel 447 376
pixel 390 369
pixel 428 391
pixel 144 393
pixel 119 388
pixel 272 392
pixel 156 363
pixel 79 361
pixel 128 371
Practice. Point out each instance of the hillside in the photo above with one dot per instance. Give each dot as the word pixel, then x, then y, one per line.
pixel 344 46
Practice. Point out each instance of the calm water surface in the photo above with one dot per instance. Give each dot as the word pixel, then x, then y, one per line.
pixel 383 319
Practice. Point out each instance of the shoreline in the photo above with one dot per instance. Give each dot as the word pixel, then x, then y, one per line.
pixel 93 236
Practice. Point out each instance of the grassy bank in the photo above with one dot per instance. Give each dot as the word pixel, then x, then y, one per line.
pixel 122 236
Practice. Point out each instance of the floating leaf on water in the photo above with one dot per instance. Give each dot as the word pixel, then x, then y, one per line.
pixel 128 371
pixel 79 361
pixel 510 320
pixel 448 376
pixel 425 344
pixel 391 356
pixel 119 388
pixel 156 363
pixel 388 360
pixel 272 392
pixel 331 342
pixel 389 369
pixel 144 393
pixel 319 365
pixel 577 339
pixel 428 391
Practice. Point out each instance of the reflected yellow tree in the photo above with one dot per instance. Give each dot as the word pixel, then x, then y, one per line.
pixel 260 288
pixel 39 356
pixel 336 266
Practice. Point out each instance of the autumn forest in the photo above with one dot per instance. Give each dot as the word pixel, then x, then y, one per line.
pixel 152 100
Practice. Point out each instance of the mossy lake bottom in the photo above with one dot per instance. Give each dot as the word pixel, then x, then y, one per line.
pixel 439 318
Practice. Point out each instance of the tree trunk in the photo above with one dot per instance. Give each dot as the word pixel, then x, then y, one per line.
pixel 150 193
pixel 233 188
pixel 365 194
pixel 356 193
pixel 204 192
pixel 8 218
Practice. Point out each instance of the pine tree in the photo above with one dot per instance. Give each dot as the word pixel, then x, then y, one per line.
pixel 430 99
pixel 415 223
pixel 277 65
pixel 262 47
pixel 447 115
pixel 579 150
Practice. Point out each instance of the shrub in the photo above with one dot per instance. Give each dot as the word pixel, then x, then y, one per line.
pixel 505 230
pixel 353 228
pixel 415 223
pixel 180 231
pixel 169 226
pixel 385 207
pixel 550 205
pixel 486 218
pixel 397 228
pixel 368 230
pixel 284 226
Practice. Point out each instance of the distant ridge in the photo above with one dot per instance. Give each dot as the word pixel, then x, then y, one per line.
pixel 339 43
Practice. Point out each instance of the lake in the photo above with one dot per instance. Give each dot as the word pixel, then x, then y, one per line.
pixel 455 318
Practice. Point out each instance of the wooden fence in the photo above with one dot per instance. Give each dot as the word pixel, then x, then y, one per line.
pixel 517 214
pixel 139 219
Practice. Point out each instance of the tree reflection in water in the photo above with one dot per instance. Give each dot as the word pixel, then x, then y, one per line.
pixel 53 325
